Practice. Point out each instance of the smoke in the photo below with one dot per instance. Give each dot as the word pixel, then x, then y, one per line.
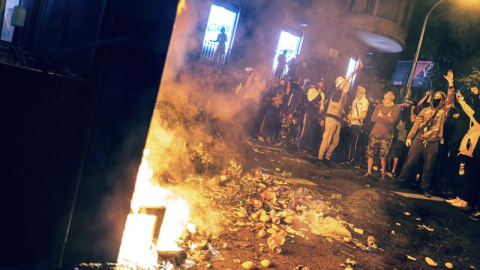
pixel 185 143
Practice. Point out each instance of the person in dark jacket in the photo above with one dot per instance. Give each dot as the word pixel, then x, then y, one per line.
pixel 292 111
pixel 271 118
pixel 313 108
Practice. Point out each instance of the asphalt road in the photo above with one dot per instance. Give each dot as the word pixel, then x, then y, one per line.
pixel 403 222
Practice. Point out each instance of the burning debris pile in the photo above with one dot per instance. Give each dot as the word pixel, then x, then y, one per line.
pixel 197 203
pixel 183 134
pixel 233 205
pixel 264 206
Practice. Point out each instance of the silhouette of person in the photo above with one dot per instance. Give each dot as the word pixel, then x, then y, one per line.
pixel 220 51
pixel 281 63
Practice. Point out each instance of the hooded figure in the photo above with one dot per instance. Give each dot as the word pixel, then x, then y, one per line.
pixel 425 136
pixel 429 123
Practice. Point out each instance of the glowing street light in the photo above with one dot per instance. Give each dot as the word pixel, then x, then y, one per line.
pixel 414 65
pixel 468 3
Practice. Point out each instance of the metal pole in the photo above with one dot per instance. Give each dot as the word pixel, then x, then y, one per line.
pixel 414 65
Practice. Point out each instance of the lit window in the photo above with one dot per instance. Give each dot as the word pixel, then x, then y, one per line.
pixel 7 28
pixel 290 41
pixel 352 65
pixel 217 45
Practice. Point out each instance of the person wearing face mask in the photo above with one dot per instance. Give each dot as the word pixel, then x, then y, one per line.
pixel 333 116
pixel 314 107
pixel 384 118
pixel 425 136
pixel 357 114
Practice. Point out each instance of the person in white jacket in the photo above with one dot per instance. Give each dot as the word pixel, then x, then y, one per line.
pixel 468 177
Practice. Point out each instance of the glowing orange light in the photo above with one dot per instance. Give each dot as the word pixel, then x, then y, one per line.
pixel 137 247
pixel 182 6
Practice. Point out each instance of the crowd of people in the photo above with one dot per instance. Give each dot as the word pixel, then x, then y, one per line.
pixel 431 144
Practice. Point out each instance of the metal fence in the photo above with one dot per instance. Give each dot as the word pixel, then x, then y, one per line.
pixel 210 56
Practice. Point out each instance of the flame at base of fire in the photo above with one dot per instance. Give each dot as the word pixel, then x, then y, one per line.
pixel 174 223
pixel 137 241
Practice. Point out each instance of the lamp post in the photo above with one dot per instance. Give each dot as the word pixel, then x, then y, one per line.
pixel 414 65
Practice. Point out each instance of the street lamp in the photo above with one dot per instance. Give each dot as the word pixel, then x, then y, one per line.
pixel 412 71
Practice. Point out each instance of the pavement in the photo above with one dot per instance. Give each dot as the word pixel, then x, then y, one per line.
pixel 407 226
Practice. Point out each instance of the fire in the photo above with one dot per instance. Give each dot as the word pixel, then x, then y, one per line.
pixel 139 246
pixel 182 6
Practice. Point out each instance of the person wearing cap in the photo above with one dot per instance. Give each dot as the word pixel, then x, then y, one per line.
pixel 399 149
pixel 334 114
pixel 425 136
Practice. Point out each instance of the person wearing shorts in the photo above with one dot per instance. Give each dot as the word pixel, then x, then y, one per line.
pixel 384 118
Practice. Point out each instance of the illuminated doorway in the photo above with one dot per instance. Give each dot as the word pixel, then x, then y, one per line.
pixel 221 16
pixel 7 9
pixel 290 40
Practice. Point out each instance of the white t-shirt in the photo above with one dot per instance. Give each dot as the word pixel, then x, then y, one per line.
pixel 359 106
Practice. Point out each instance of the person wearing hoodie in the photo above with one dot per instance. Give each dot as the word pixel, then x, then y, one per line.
pixel 425 136
pixel 334 113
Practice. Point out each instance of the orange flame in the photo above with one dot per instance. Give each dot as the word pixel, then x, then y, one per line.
pixel 137 245
pixel 182 6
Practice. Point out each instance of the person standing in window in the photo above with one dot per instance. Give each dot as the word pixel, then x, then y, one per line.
pixel 281 63
pixel 220 51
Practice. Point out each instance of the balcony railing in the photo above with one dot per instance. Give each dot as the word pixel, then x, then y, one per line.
pixel 209 54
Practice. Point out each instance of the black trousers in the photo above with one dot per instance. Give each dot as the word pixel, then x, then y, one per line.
pixel 450 171
pixel 354 144
pixel 311 130
pixel 429 152
pixel 467 179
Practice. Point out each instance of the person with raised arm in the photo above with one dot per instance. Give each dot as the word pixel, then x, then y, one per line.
pixel 425 136
pixel 334 113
